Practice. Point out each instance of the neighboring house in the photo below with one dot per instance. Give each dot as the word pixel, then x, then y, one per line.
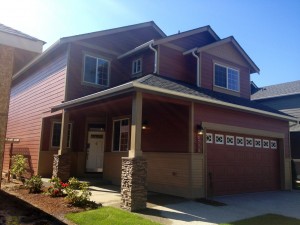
pixel 286 98
pixel 135 92
pixel 16 50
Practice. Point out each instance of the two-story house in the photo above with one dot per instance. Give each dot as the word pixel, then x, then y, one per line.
pixel 180 102
pixel 16 50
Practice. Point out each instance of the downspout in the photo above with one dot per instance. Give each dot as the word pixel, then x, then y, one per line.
pixel 198 67
pixel 155 57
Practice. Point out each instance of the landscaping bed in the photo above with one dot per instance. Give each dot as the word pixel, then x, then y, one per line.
pixel 41 207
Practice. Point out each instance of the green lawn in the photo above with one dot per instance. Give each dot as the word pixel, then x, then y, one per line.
pixel 268 219
pixel 108 216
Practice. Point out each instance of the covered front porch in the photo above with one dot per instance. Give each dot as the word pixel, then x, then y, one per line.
pixel 98 135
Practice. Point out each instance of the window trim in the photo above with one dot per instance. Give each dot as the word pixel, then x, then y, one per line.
pixel 227 67
pixel 113 131
pixel 132 66
pixel 83 70
pixel 52 130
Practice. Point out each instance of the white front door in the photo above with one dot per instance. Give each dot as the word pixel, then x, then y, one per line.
pixel 95 151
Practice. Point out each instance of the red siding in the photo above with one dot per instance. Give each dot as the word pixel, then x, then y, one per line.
pixel 31 100
pixel 207 74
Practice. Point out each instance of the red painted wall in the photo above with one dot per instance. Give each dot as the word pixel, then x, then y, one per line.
pixel 31 99
pixel 207 74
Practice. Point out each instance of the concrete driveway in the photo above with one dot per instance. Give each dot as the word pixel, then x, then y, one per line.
pixel 179 211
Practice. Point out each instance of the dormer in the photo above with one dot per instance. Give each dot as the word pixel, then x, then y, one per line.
pixel 223 66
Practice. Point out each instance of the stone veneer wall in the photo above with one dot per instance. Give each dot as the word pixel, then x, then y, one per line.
pixel 62 166
pixel 133 184
pixel 6 72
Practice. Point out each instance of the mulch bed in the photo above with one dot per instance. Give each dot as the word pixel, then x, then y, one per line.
pixel 17 206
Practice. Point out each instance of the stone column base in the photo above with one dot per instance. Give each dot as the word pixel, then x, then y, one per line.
pixel 133 184
pixel 62 166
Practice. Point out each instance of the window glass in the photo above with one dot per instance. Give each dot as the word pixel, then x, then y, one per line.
pixel 220 76
pixel 96 70
pixel 136 66
pixel 56 132
pixel 227 78
pixel 121 135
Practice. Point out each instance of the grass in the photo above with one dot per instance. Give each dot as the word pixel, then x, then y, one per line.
pixel 268 219
pixel 108 216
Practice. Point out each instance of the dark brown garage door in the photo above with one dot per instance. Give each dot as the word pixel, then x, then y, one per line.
pixel 241 164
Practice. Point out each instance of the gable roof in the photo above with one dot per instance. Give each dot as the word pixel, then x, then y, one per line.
pixel 278 90
pixel 179 89
pixel 78 38
pixel 230 39
pixel 9 30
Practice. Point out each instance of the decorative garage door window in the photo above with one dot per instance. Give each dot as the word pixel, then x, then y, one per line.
pixel 229 140
pixel 209 138
pixel 239 141
pixel 249 142
pixel 219 138
pixel 266 144
pixel 273 144
pixel 257 143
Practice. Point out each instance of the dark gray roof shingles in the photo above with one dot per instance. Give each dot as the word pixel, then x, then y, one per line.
pixel 278 90
pixel 182 87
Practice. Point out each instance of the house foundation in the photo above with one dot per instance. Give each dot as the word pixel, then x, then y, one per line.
pixel 62 166
pixel 133 183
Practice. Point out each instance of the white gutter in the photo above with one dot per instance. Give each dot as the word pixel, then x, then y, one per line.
pixel 198 67
pixel 155 57
pixel 212 101
pixel 132 51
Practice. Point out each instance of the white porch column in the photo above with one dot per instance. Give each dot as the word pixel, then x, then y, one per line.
pixel 64 133
pixel 136 126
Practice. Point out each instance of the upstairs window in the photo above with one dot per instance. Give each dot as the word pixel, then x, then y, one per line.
pixel 136 66
pixel 121 135
pixel 227 77
pixel 56 132
pixel 96 70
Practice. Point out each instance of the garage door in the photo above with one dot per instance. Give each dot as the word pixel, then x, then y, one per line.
pixel 241 164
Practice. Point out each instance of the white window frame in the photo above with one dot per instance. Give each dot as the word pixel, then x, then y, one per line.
pixel 134 66
pixel 227 68
pixel 265 142
pixel 249 139
pixel 209 135
pixel 273 144
pixel 70 131
pixel 96 74
pixel 237 142
pixel 231 137
pixel 257 140
pixel 119 148
pixel 217 136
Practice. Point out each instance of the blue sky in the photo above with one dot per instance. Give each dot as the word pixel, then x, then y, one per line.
pixel 268 30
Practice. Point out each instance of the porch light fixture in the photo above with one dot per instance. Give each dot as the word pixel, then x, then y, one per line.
pixel 145 125
pixel 199 129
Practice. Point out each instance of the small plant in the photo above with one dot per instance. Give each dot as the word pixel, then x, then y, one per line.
pixel 57 187
pixel 34 184
pixel 18 166
pixel 74 183
pixel 80 197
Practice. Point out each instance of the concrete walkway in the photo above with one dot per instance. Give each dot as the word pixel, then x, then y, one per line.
pixel 179 211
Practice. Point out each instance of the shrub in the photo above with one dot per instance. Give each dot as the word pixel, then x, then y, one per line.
pixel 74 183
pixel 80 197
pixel 34 184
pixel 57 187
pixel 18 165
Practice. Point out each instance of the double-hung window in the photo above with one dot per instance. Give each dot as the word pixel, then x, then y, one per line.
pixel 136 66
pixel 227 77
pixel 96 70
pixel 56 132
pixel 121 135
